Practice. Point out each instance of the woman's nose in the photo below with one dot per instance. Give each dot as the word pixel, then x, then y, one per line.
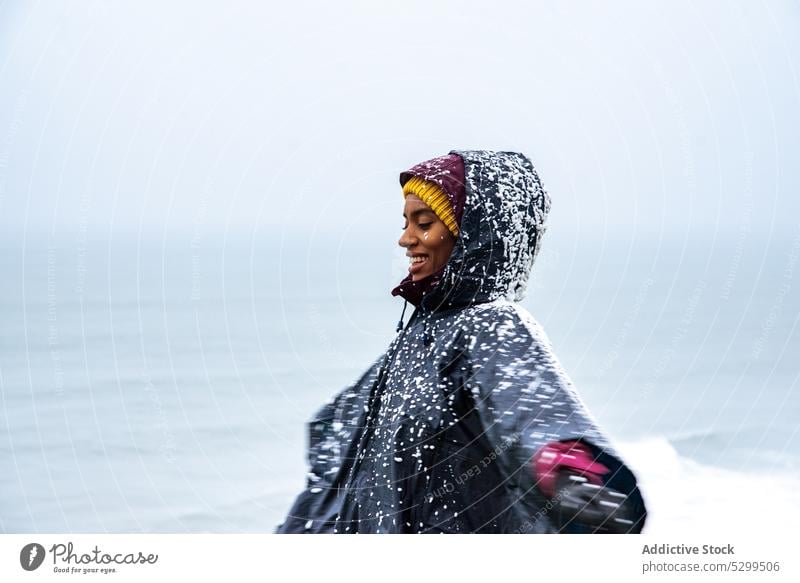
pixel 406 239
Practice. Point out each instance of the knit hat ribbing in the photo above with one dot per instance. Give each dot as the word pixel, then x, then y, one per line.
pixel 434 197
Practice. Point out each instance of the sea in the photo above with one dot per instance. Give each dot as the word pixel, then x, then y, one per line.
pixel 161 382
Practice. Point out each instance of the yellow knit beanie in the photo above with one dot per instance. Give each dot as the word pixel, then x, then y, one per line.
pixel 433 196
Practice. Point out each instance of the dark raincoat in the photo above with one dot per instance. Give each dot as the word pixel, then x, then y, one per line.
pixel 438 434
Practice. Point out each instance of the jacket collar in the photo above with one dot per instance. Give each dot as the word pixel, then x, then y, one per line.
pixel 414 291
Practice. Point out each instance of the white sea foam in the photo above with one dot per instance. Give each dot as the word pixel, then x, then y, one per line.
pixel 685 497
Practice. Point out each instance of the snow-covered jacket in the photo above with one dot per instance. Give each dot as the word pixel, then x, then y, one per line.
pixel 440 434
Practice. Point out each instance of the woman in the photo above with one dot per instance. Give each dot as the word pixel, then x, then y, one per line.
pixel 467 423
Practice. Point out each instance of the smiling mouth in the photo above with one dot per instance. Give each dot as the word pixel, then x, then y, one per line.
pixel 416 262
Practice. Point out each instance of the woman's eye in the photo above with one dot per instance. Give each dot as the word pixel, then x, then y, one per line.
pixel 425 226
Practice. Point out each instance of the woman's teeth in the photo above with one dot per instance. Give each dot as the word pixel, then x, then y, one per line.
pixel 417 259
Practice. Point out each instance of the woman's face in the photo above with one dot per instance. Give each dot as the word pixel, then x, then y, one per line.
pixel 428 242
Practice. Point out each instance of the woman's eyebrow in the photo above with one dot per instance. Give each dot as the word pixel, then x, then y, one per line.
pixel 418 211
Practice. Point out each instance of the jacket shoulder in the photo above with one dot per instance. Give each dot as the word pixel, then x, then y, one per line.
pixel 503 320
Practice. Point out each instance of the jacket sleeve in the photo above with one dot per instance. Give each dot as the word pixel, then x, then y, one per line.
pixel 585 494
pixel 330 435
pixel 525 401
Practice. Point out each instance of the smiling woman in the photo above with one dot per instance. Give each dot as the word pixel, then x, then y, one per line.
pixel 467 423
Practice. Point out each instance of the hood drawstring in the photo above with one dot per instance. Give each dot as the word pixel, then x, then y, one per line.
pixel 427 338
pixel 400 323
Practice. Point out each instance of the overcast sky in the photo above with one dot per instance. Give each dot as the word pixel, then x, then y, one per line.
pixel 669 118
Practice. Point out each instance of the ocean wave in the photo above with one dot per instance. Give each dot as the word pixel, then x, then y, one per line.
pixel 686 496
pixel 749 448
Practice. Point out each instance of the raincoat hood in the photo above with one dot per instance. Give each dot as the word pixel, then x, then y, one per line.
pixel 501 229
